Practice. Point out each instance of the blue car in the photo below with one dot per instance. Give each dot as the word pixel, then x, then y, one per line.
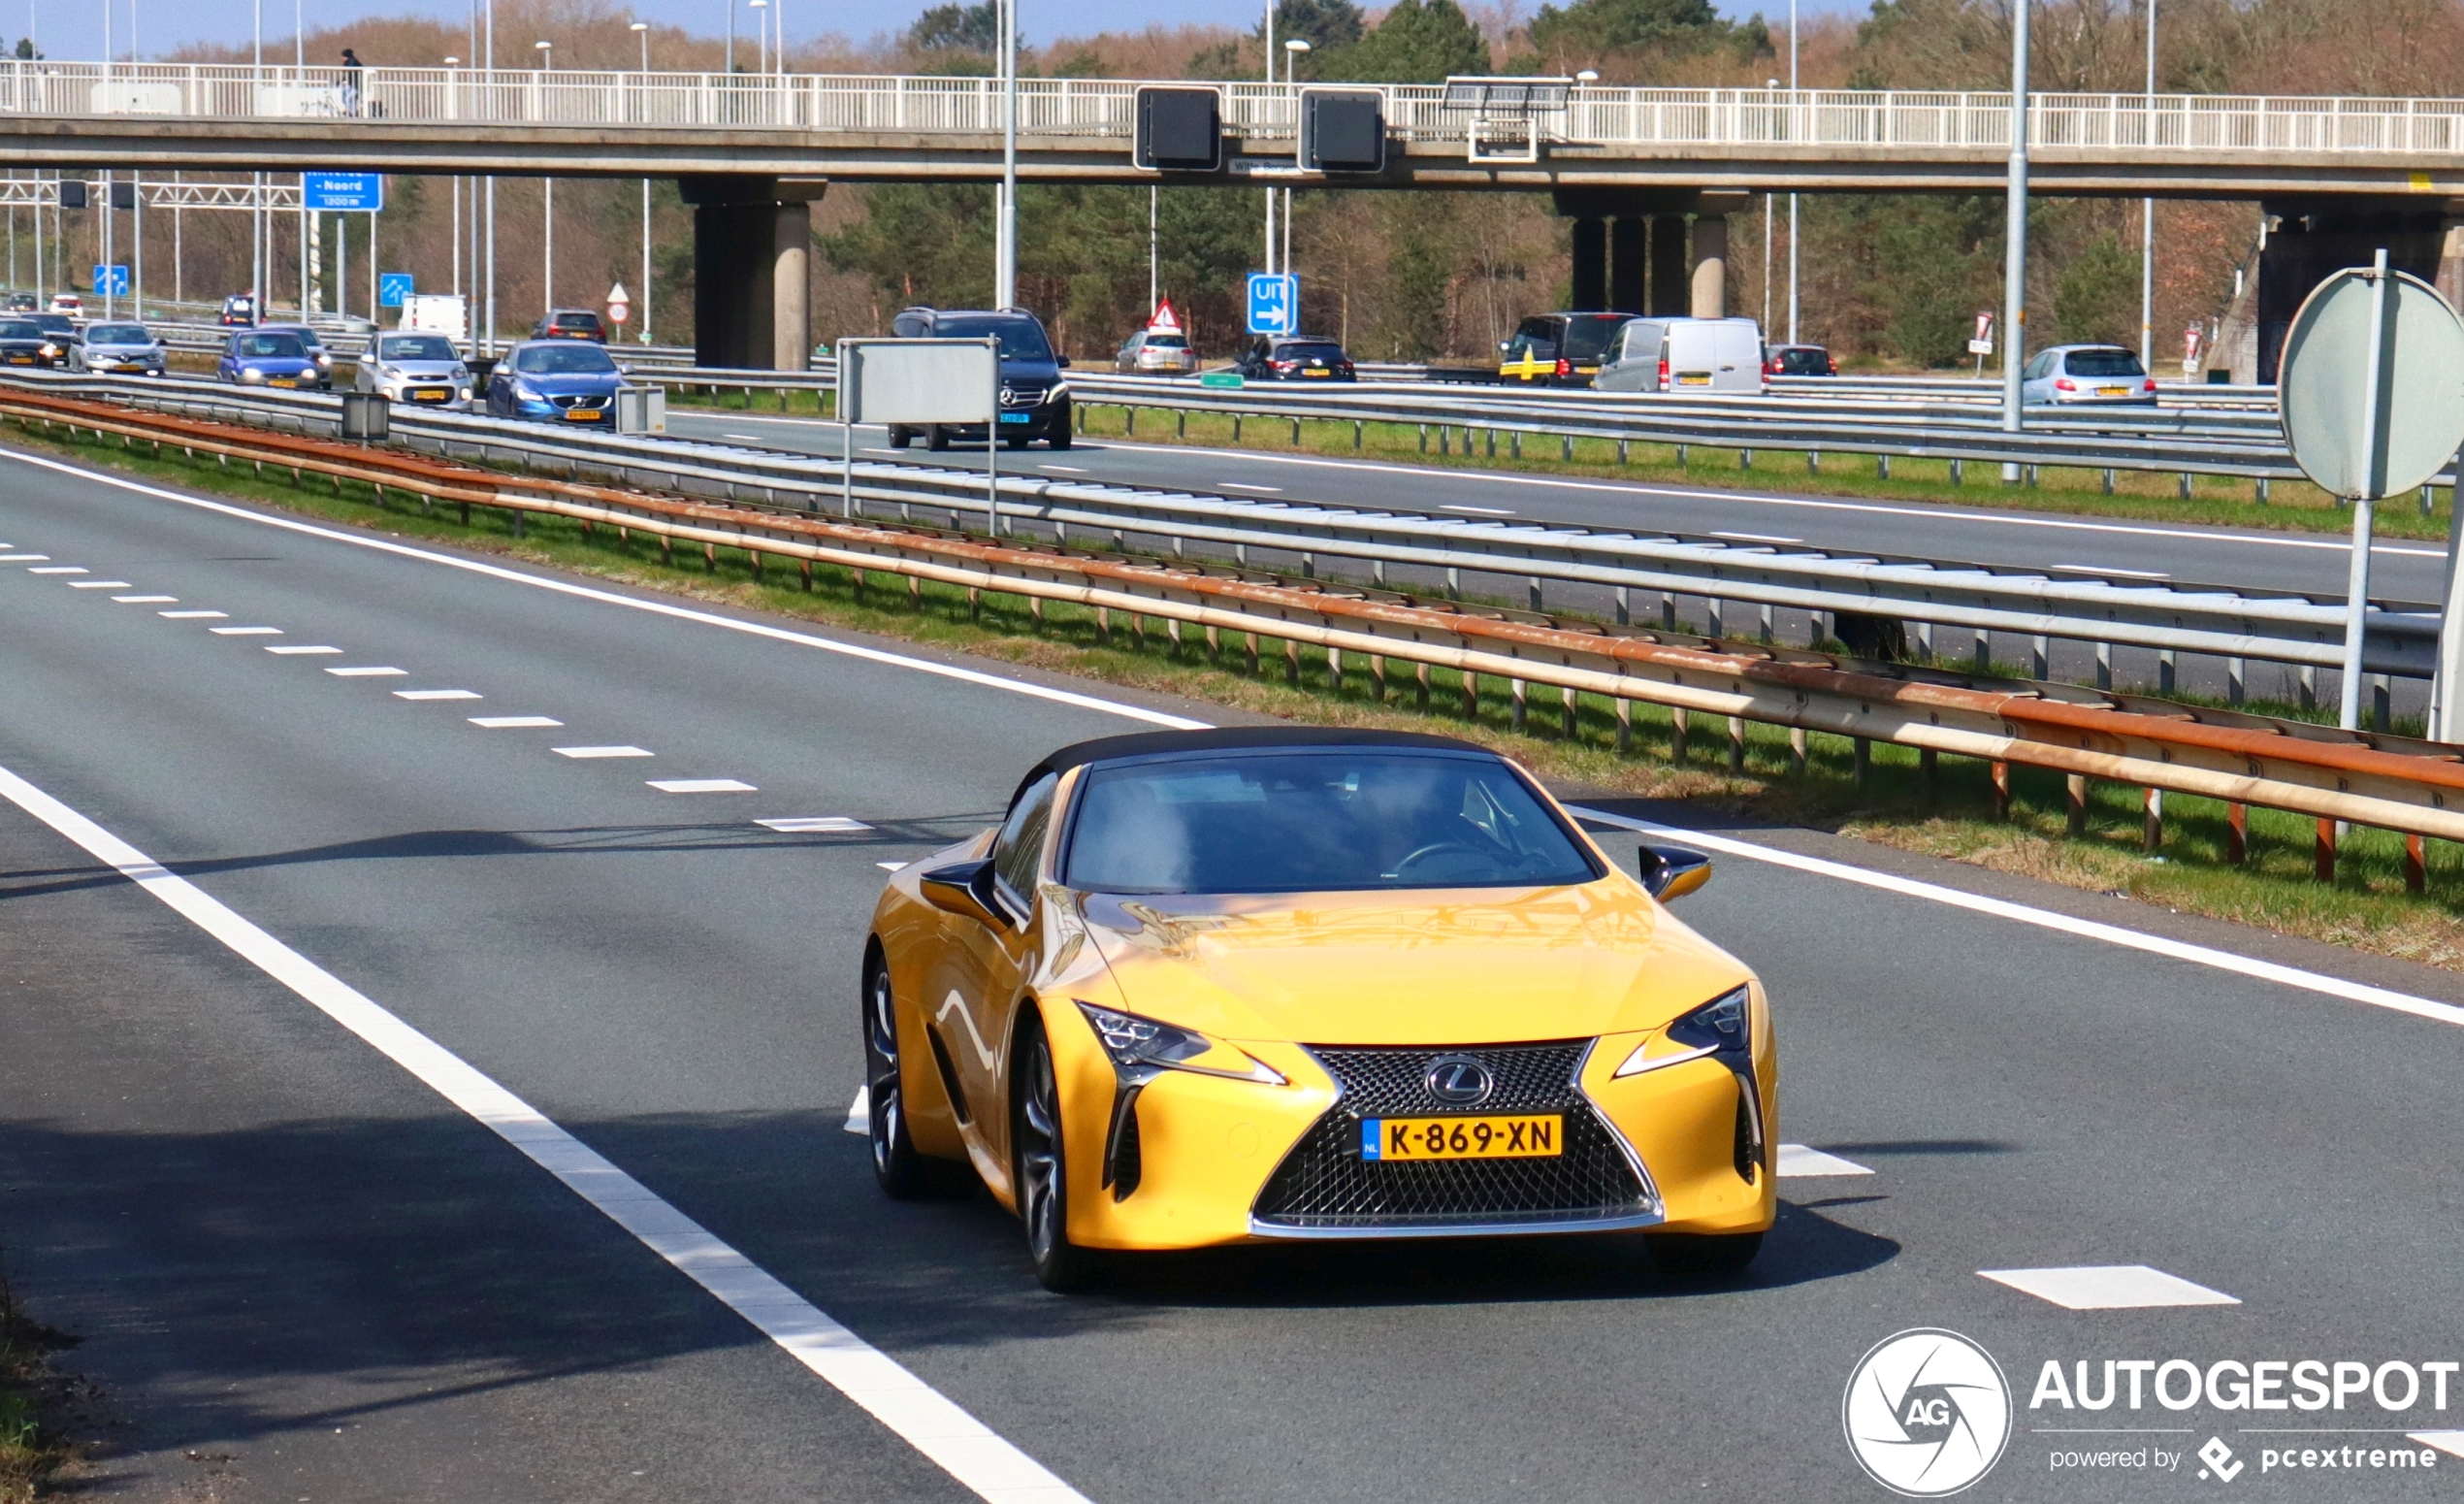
pixel 269 357
pixel 557 380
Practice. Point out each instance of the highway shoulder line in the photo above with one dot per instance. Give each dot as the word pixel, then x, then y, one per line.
pixel 930 1421
pixel 2044 919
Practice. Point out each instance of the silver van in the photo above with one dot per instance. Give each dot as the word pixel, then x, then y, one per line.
pixel 1685 355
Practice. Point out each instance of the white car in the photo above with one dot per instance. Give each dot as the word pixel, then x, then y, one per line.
pixel 2099 375
pixel 68 302
pixel 414 367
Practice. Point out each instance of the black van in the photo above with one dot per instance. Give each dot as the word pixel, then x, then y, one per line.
pixel 1034 399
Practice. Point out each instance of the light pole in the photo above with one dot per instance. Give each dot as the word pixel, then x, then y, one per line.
pixel 1005 271
pixel 731 38
pixel 488 66
pixel 1795 112
pixel 761 10
pixel 1270 84
pixel 2015 236
pixel 642 29
pixel 453 257
pixel 1773 86
pixel 2147 222
pixel 1292 51
pixel 547 201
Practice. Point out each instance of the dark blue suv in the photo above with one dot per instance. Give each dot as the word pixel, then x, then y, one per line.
pixel 1034 399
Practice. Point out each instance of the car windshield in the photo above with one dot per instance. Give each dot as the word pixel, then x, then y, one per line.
pixel 1022 339
pixel 1313 821
pixel 278 346
pixel 118 334
pixel 2102 363
pixel 1586 337
pixel 1167 341
pixel 574 321
pixel 1803 363
pixel 415 347
pixel 21 329
pixel 56 323
pixel 564 360
pixel 1328 354
pixel 1534 337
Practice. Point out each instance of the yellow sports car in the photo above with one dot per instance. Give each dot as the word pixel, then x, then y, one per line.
pixel 1256 984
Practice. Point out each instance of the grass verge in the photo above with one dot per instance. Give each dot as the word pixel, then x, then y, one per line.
pixel 31 1449
pixel 1941 807
pixel 2143 495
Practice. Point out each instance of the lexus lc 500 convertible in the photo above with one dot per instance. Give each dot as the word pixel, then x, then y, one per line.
pixel 1247 985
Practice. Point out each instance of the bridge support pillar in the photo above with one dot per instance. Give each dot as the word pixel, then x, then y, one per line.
pixel 2450 283
pixel 1669 292
pixel 2309 241
pixel 1710 266
pixel 1629 264
pixel 1590 269
pixel 752 265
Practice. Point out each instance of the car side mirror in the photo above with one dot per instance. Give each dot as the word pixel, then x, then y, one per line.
pixel 966 888
pixel 1062 362
pixel 1671 873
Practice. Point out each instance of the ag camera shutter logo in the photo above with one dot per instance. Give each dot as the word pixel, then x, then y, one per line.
pixel 1926 1413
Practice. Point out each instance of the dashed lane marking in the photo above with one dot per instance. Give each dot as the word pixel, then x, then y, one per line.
pixel 24 558
pixel 702 786
pixel 143 599
pixel 438 694
pixel 2105 568
pixel 1756 537
pixel 970 1452
pixel 859 1112
pixel 370 672
pixel 194 615
pixel 1799 1162
pixel 1481 511
pixel 889 866
pixel 513 722
pixel 2123 1287
pixel 245 631
pixel 100 584
pixel 589 752
pixel 61 569
pixel 295 649
pixel 1235 485
pixel 814 825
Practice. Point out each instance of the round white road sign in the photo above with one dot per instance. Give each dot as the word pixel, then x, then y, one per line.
pixel 2325 391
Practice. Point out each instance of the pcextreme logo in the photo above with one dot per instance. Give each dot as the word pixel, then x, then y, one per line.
pixel 1926 1413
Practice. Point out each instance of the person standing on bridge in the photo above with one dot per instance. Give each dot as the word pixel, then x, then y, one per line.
pixel 350 82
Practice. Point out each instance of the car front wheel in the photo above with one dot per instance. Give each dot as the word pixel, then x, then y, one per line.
pixel 900 438
pixel 1058 434
pixel 1041 1167
pixel 896 1165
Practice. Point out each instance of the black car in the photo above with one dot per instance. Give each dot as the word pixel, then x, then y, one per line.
pixel 25 342
pixel 1034 399
pixel 1296 358
pixel 570 324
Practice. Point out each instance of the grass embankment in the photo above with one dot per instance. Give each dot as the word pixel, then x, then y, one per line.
pixel 2137 495
pixel 31 1450
pixel 1948 813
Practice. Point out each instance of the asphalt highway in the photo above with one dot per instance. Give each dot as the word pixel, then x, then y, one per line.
pixel 302 1273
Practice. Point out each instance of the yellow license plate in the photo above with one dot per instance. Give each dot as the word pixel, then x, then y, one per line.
pixel 281 381
pixel 2112 391
pixel 21 360
pixel 1317 372
pixel 581 414
pixel 429 396
pixel 1463 1138
pixel 1693 381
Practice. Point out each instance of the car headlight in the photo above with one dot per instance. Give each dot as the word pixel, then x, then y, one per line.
pixel 1723 1026
pixel 51 352
pixel 324 361
pixel 250 373
pixel 1141 1044
pixel 1058 393
pixel 527 392
pixel 461 372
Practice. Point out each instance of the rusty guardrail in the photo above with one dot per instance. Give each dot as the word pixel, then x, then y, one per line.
pixel 2411 786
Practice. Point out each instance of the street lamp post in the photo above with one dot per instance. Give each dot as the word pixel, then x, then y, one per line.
pixel 1292 51
pixel 1797 112
pixel 761 10
pixel 642 29
pixel 1005 274
pixel 2015 236
pixel 1773 86
pixel 547 200
pixel 1270 84
pixel 2147 221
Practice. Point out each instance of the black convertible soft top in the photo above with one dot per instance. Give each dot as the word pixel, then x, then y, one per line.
pixel 1217 738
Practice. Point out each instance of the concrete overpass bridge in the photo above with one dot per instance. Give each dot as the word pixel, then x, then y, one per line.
pixel 1647 174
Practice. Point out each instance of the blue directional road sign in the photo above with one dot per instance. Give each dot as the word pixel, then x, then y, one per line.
pixel 343 192
pixel 392 289
pixel 1275 303
pixel 111 282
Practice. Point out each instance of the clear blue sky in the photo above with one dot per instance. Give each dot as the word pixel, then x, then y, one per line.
pixel 73 29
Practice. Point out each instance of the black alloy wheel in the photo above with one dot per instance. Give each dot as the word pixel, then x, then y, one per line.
pixel 896 1165
pixel 902 435
pixel 1058 437
pixel 1040 1167
pixel 937 436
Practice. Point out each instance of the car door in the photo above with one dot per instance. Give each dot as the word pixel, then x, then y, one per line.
pixel 973 1001
pixel 1736 347
pixel 2036 380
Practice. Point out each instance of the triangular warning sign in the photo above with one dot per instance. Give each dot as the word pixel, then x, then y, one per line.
pixel 1165 321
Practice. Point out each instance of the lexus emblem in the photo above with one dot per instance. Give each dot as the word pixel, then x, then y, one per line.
pixel 1460 1081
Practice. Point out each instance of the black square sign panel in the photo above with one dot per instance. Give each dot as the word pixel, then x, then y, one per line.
pixel 1180 130
pixel 1343 132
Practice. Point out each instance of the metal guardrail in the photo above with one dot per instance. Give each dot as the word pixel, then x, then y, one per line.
pixel 2376 780
pixel 2168 617
pixel 2179 126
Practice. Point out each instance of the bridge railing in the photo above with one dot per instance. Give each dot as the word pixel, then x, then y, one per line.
pixel 1813 119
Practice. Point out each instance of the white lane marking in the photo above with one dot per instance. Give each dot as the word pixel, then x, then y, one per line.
pixel 513 722
pixel 588 752
pixel 24 558
pixel 805 825
pixel 2105 568
pixel 369 672
pixel 2047 919
pixel 702 786
pixel 61 569
pixel 609 598
pixel 930 1421
pixel 438 694
pixel 1756 537
pixel 193 615
pixel 859 1112
pixel 1235 485
pixel 245 631
pixel 100 584
pixel 752 438
pixel 143 599
pixel 296 649
pixel 2123 1287
pixel 1482 511
pixel 891 867
pixel 1064 469
pixel 2449 1441
pixel 1800 1162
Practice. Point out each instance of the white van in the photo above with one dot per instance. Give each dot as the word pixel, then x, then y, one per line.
pixel 438 313
pixel 1685 355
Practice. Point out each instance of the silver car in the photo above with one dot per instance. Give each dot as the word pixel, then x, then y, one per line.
pixel 117 349
pixel 1155 352
pixel 415 367
pixel 2104 376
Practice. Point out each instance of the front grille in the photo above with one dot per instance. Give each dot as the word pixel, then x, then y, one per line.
pixel 586 401
pixel 1022 396
pixel 1324 1185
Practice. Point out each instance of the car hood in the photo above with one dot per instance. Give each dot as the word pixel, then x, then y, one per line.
pixel 1436 966
pixel 568 386
pixel 280 364
pixel 418 369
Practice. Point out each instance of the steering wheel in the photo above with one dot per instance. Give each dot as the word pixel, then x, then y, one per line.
pixel 1434 848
